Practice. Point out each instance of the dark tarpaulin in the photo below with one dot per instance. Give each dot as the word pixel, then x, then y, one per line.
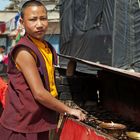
pixel 127 34
pixel 103 31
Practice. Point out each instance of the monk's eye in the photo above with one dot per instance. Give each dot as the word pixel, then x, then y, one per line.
pixel 32 19
pixel 44 18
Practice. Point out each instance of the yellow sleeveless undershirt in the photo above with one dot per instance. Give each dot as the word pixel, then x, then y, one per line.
pixel 47 55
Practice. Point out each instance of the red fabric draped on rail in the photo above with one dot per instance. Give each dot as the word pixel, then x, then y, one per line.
pixel 3 87
pixel 74 131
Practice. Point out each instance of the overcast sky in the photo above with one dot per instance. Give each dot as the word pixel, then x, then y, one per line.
pixel 3 4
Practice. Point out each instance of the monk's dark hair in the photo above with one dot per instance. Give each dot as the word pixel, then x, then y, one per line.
pixel 31 3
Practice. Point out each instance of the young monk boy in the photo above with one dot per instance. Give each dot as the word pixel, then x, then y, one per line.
pixel 31 106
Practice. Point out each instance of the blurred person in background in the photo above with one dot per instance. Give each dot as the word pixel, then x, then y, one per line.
pixel 3 59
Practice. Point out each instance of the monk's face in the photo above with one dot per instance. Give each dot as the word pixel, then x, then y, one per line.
pixel 35 21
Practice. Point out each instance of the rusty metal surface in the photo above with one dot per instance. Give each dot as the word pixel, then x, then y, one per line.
pixel 118 95
pixel 128 73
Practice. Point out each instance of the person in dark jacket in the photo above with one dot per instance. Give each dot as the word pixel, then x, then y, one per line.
pixel 31 104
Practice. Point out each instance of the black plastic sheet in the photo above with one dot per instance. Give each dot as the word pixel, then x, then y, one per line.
pixel 102 31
